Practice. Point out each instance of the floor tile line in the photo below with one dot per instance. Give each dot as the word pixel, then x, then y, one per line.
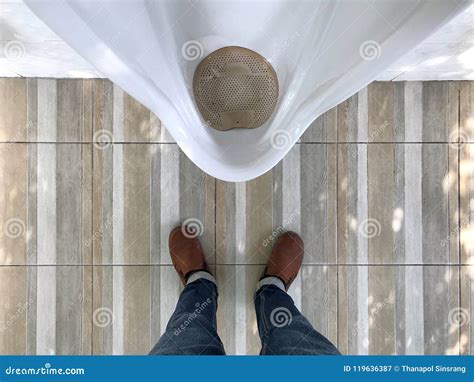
pixel 298 143
pixel 459 215
pixel 250 265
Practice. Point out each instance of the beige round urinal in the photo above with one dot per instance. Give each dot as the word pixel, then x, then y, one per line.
pixel 235 87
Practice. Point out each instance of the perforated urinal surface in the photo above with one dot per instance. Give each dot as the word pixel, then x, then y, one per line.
pixel 235 87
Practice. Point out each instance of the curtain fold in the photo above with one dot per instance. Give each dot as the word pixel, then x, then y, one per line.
pixel 323 51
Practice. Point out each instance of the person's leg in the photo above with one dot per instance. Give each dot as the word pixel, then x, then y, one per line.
pixel 282 327
pixel 191 329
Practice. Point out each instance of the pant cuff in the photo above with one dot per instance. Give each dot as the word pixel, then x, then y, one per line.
pixel 201 275
pixel 271 280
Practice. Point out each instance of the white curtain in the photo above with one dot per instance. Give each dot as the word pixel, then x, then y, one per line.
pixel 322 50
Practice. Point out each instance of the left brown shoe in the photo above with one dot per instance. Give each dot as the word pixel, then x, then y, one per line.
pixel 186 253
pixel 286 258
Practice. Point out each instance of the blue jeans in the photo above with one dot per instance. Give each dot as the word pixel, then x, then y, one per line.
pixel 281 326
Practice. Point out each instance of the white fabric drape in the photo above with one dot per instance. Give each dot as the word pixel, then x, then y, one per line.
pixel 322 50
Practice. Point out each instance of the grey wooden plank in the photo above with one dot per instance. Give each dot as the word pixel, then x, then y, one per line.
pixel 397 324
pixel 32 158
pixel 13 203
pixel 155 305
pixel 158 131
pixel 170 198
pixel 13 109
pixel 69 211
pixel 134 327
pixel 31 309
pixel 259 220
pixel 381 190
pixel 31 128
pixel 155 204
pixel 435 107
pixel 466 111
pixel 70 110
pixel 46 310
pixel 323 129
pixel 136 175
pixel 381 310
pixel 102 110
pixel 466 170
pixel 399 105
pixel 381 127
pixel 319 298
pixel 13 320
pixel 47 110
pixel 440 301
pixel 69 309
pixel 435 207
pixel 104 215
pixel 318 218
pixel 197 203
pixel 226 223
pixel 462 316
pixel 136 120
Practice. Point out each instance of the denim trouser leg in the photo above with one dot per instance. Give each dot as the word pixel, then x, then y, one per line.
pixel 282 327
pixel 192 327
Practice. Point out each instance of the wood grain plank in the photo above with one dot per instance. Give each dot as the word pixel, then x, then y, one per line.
pixel 395 325
pixel 318 203
pixel 13 321
pixel 13 203
pixel 197 203
pixel 381 190
pixel 381 102
pixel 259 221
pixel 136 170
pixel 70 194
pixel 136 120
pixel 13 109
pixel 71 309
pixel 70 110
pixel 435 111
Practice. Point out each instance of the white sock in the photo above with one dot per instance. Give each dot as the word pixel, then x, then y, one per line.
pixel 271 280
pixel 201 275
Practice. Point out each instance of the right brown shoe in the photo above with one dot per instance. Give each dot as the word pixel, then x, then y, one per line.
pixel 186 253
pixel 286 258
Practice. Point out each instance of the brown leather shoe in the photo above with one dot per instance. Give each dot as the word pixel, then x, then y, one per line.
pixel 186 253
pixel 286 258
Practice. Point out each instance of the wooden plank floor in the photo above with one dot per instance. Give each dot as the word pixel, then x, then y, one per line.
pixel 381 188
